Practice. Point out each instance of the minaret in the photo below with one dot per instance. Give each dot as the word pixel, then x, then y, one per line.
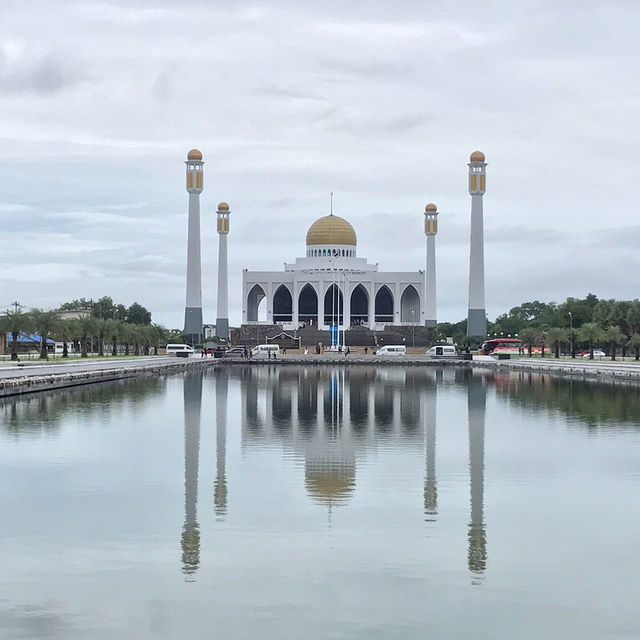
pixel 430 398
pixel 191 530
pixel 476 399
pixel 220 483
pixel 430 229
pixel 477 318
pixel 222 321
pixel 193 307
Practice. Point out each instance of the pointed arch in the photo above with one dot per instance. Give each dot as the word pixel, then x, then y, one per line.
pixel 384 305
pixel 282 305
pixel 359 306
pixel 333 305
pixel 308 305
pixel 255 297
pixel 410 305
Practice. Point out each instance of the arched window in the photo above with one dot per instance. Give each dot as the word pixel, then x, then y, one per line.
pixel 308 305
pixel 384 305
pixel 282 305
pixel 254 308
pixel 333 305
pixel 410 305
pixel 359 306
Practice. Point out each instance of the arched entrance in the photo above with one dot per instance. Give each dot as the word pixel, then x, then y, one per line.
pixel 254 308
pixel 384 305
pixel 410 305
pixel 359 306
pixel 308 305
pixel 333 305
pixel 282 305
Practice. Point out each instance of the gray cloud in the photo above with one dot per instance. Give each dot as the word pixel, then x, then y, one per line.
pixel 379 103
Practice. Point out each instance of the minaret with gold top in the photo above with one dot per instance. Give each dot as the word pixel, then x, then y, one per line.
pixel 193 306
pixel 222 319
pixel 477 318
pixel 430 229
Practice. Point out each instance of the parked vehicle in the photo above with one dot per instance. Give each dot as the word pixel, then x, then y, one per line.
pixel 442 351
pixel 234 352
pixel 180 350
pixel 512 346
pixel 597 353
pixel 392 350
pixel 265 351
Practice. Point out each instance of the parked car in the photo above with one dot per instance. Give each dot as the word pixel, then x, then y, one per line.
pixel 392 350
pixel 265 351
pixel 597 353
pixel 181 350
pixel 234 352
pixel 442 351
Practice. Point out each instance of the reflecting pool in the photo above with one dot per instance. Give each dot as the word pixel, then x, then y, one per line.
pixel 320 502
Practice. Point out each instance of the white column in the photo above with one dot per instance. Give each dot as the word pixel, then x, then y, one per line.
pixel 321 305
pixel 430 283
pixel 372 305
pixel 477 317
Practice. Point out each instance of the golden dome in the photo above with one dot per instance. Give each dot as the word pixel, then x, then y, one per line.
pixel 223 206
pixel 194 154
pixel 331 483
pixel 331 230
pixel 431 208
pixel 477 156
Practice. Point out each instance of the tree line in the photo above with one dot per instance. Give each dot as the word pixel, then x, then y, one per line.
pixel 84 334
pixel 587 322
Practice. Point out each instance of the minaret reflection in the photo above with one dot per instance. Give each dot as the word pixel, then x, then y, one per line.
pixel 476 398
pixel 191 529
pixel 220 484
pixel 430 484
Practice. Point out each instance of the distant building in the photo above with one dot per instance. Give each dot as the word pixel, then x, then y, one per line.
pixel 74 314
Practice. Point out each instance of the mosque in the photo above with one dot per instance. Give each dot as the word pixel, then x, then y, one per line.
pixel 331 286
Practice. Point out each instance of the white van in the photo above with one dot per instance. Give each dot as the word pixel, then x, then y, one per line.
pixel 265 351
pixel 442 351
pixel 175 349
pixel 392 350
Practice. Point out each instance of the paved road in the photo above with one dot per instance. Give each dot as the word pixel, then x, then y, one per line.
pixel 34 369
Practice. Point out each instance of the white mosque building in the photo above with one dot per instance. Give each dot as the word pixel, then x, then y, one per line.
pixel 331 285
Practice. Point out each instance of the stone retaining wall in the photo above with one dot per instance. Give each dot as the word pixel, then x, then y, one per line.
pixel 48 381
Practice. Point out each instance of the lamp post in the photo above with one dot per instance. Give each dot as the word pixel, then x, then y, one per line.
pixel 573 354
pixel 413 331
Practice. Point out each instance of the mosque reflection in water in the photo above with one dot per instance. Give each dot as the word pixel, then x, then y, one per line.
pixel 329 417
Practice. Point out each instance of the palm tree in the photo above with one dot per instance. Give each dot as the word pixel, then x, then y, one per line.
pixel 557 336
pixel 101 330
pixel 111 331
pixel 87 327
pixel 15 322
pixel 528 336
pixel 159 337
pixel 614 336
pixel 541 339
pixel 44 323
pixel 66 330
pixel 634 343
pixel 590 332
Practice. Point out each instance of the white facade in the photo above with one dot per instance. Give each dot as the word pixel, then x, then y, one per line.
pixel 332 285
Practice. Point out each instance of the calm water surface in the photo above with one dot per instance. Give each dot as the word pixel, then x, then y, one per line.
pixel 316 502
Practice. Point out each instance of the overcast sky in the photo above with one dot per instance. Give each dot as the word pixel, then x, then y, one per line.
pixel 380 102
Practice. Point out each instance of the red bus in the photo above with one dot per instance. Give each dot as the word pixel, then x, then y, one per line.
pixel 501 345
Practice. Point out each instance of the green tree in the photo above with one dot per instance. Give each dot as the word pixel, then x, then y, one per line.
pixel 159 337
pixel 137 314
pixel 87 327
pixel 591 334
pixel 541 340
pixel 66 330
pixel 614 336
pixel 111 332
pixel 557 337
pixel 528 336
pixel 634 343
pixel 76 305
pixel 15 323
pixel 44 323
pixel 104 308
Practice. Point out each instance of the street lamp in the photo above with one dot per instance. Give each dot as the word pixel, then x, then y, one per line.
pixel 573 354
pixel 413 332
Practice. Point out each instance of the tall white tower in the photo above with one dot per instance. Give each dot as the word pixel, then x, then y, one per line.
pixel 193 306
pixel 430 229
pixel 222 321
pixel 477 318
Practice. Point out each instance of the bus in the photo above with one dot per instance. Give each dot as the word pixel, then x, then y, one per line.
pixel 501 345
